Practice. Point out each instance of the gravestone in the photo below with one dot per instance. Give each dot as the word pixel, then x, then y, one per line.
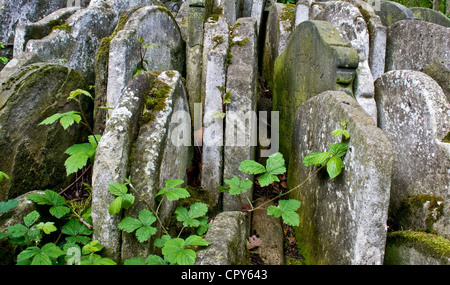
pixel 302 11
pixel 351 23
pixel 120 6
pixel 230 9
pixel 391 12
pixel 215 52
pixel 280 24
pixel 343 220
pixel 415 115
pixel 440 72
pixel 240 120
pixel 316 59
pixel 161 152
pixel 167 52
pixel 413 44
pixel 255 10
pixel 33 155
pixel 430 15
pixel 74 43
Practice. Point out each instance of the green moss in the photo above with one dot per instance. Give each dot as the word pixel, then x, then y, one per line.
pixel 65 27
pixel 240 43
pixel 428 244
pixel 410 205
pixel 155 101
pixel 213 17
pixel 288 14
pixel 446 139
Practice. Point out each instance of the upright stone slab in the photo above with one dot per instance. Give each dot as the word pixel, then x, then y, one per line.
pixel 75 42
pixel 240 120
pixel 230 9
pixel 150 23
pixel 413 44
pixel 302 11
pixel 391 12
pixel 316 59
pixel 215 52
pixel 112 162
pixel 440 72
pixel 280 24
pixel 343 220
pixel 161 152
pixel 33 155
pixel 415 115
pixel 255 10
pixel 120 6
pixel 228 238
pixel 351 23
pixel 430 15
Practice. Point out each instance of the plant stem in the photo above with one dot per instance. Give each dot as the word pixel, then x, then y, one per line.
pixel 295 188
pixel 86 123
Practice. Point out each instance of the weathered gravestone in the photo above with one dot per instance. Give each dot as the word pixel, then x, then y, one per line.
pixel 430 15
pixel 230 9
pixel 391 12
pixel 280 24
pixel 440 72
pixel 240 120
pixel 121 5
pixel 215 51
pixel 33 155
pixel 342 221
pixel 228 238
pixel 158 153
pixel 413 44
pixel 75 41
pixel 255 10
pixel 351 23
pixel 415 115
pixel 166 53
pixel 316 59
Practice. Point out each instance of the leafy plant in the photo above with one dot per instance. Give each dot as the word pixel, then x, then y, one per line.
pixel 142 226
pixel 3 175
pixel 179 251
pixel 286 1
pixel 3 60
pixel 123 199
pixel 80 154
pixel 5 206
pixel 143 48
pixel 34 255
pixel 58 203
pixel 275 166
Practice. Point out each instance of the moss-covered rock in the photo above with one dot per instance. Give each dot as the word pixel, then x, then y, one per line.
pixel 416 248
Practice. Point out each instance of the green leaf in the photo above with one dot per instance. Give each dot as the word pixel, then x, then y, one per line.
pixel 17 230
pixel 195 240
pixel 289 205
pixel 238 186
pixel 334 166
pixel 286 209
pixel 171 183
pixel 117 189
pixel 153 259
pixel 74 227
pixel 4 60
pixel 31 218
pixel 59 211
pixel 251 167
pixel 275 164
pixel 104 261
pixel 227 98
pixel 79 155
pixel 65 119
pixel 339 132
pixel 27 254
pixel 339 149
pixel 54 198
pixel 144 233
pixel 92 247
pixel 291 218
pixel 129 224
pixel 93 141
pixel 52 250
pixel 146 217
pixel 176 194
pixel 316 158
pixel 41 259
pixel 40 199
pixel 76 93
pixel 267 179
pixel 115 206
pixel 8 205
pixel 188 218
pixel 274 211
pixel 197 210
pixel 175 252
pixel 134 261
pixel 159 242
pixel 3 175
pixel 48 227
pixel 218 115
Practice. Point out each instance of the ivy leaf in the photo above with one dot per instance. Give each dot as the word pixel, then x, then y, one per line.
pixel 334 166
pixel 251 167
pixel 8 205
pixel 339 149
pixel 286 209
pixel 65 119
pixel 316 158
pixel 238 186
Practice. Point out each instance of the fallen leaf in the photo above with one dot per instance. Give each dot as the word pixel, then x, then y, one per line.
pixel 253 242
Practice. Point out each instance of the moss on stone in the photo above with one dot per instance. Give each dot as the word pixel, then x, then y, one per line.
pixel 428 244
pixel 155 101
pixel 410 205
pixel 65 27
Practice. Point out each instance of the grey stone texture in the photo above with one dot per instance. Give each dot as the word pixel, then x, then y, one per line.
pixel 162 152
pixel 230 9
pixel 440 72
pixel 392 12
pixel 416 248
pixel 33 155
pixel 216 43
pixel 121 5
pixel 112 162
pixel 280 24
pixel 75 42
pixel 311 44
pixel 240 121
pixel 351 23
pixel 414 44
pixel 415 115
pixel 228 238
pixel 148 22
pixel 343 220
pixel 430 15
